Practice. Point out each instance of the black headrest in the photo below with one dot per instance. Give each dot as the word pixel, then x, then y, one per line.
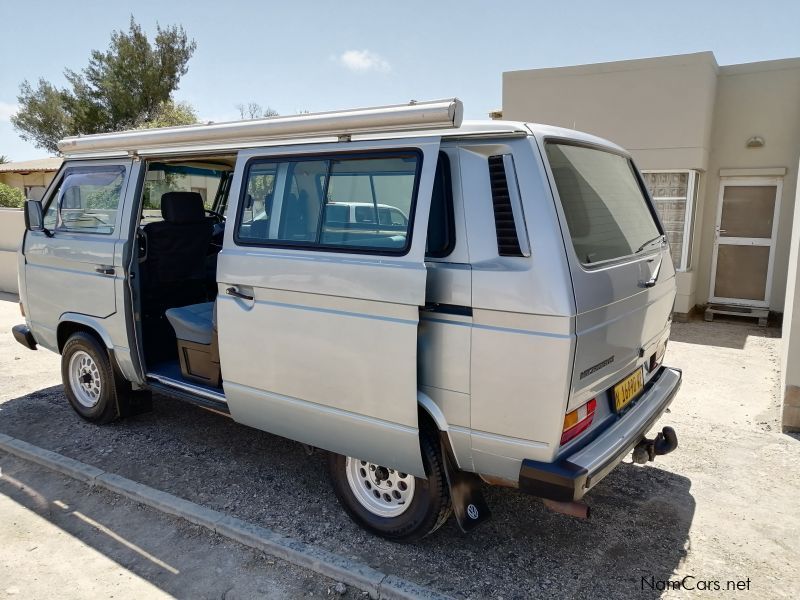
pixel 182 207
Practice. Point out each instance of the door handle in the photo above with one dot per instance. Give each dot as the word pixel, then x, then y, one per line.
pixel 232 291
pixel 104 270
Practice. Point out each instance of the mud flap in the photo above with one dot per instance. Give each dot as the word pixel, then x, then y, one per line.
pixel 469 505
pixel 134 403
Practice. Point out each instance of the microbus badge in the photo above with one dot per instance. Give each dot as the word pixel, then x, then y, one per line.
pixel 597 367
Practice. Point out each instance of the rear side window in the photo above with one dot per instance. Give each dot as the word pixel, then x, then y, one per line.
pixel 441 224
pixel 357 202
pixel 607 213
pixel 86 200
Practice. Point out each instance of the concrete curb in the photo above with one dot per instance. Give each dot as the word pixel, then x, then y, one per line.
pixel 354 573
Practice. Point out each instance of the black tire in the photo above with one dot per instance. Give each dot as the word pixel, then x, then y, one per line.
pixel 112 388
pixel 428 510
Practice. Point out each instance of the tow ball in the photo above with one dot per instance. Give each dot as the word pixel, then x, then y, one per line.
pixel 647 450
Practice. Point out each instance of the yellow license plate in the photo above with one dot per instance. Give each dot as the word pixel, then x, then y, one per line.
pixel 628 389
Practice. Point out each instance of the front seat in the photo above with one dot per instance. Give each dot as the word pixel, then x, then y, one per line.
pixel 174 268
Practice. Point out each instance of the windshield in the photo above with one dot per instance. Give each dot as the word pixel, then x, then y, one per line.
pixel 607 213
pixel 162 178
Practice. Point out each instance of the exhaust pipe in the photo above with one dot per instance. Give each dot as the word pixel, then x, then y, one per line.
pixel 572 509
pixel 664 443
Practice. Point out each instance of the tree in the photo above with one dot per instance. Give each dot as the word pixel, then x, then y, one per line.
pixel 129 85
pixel 11 197
pixel 253 110
pixel 4 159
pixel 171 113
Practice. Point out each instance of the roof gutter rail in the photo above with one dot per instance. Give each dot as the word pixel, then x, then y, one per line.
pixel 414 116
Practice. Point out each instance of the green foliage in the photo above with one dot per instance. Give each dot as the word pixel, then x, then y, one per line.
pixel 171 113
pixel 4 159
pixel 11 197
pixel 129 85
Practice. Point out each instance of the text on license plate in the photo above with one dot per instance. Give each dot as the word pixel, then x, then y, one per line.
pixel 628 389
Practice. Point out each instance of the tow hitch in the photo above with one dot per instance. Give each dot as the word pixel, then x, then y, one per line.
pixel 664 443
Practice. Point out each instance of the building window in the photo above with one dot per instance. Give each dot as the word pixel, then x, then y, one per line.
pixel 674 194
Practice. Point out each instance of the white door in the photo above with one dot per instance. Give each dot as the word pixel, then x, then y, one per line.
pixel 320 279
pixel 744 242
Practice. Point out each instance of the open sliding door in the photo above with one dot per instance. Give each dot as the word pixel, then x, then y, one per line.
pixel 320 279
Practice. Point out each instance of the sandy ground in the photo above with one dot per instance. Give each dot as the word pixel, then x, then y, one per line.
pixel 720 509
pixel 65 541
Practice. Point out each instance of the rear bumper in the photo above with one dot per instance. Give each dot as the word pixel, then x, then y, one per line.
pixel 570 478
pixel 24 336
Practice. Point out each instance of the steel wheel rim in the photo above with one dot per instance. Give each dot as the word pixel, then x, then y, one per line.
pixel 382 491
pixel 84 379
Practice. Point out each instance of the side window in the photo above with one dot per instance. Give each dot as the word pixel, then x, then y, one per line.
pixel 380 192
pixel 86 200
pixel 257 202
pixel 441 224
pixel 354 202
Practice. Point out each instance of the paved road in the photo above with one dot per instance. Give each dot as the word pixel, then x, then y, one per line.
pixel 63 540
pixel 713 509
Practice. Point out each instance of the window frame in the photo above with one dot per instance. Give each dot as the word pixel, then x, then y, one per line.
pixel 692 190
pixel 54 189
pixel 560 207
pixel 330 157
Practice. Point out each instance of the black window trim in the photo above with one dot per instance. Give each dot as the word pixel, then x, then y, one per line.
pixel 443 161
pixel 330 157
pixel 55 187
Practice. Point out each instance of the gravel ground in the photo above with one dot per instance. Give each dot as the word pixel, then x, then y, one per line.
pixel 720 508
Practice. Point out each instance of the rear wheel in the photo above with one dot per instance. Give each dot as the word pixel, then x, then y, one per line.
pixel 390 503
pixel 90 383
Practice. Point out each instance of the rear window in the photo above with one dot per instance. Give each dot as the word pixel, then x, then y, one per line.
pixel 607 213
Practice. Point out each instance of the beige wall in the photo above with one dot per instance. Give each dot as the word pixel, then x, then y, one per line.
pixel 658 108
pixel 760 99
pixel 12 225
pixel 39 178
pixel 681 112
pixel 790 357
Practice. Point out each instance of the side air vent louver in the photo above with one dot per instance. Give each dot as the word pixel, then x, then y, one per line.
pixel 507 240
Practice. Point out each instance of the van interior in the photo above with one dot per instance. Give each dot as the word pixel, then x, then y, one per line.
pixel 182 224
pixel 180 231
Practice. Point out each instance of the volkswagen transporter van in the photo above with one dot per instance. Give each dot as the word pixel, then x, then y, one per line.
pixel 434 303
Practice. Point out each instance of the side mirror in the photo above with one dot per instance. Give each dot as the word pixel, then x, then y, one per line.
pixel 34 219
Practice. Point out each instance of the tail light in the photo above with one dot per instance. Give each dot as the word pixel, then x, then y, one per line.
pixel 578 421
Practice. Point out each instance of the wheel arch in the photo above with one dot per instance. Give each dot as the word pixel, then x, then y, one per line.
pixel 428 408
pixel 71 323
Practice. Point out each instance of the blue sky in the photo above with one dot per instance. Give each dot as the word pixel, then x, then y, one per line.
pixel 328 55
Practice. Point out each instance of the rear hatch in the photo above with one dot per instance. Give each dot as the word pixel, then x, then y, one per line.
pixel 622 274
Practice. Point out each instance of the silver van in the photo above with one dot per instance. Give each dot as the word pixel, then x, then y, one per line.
pixel 440 305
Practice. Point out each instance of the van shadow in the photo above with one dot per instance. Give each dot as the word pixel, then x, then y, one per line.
pixel 639 528
pixel 725 332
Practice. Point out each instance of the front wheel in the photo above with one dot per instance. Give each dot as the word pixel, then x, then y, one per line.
pixel 390 503
pixel 90 383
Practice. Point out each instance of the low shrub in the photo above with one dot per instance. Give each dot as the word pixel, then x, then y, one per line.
pixel 11 197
